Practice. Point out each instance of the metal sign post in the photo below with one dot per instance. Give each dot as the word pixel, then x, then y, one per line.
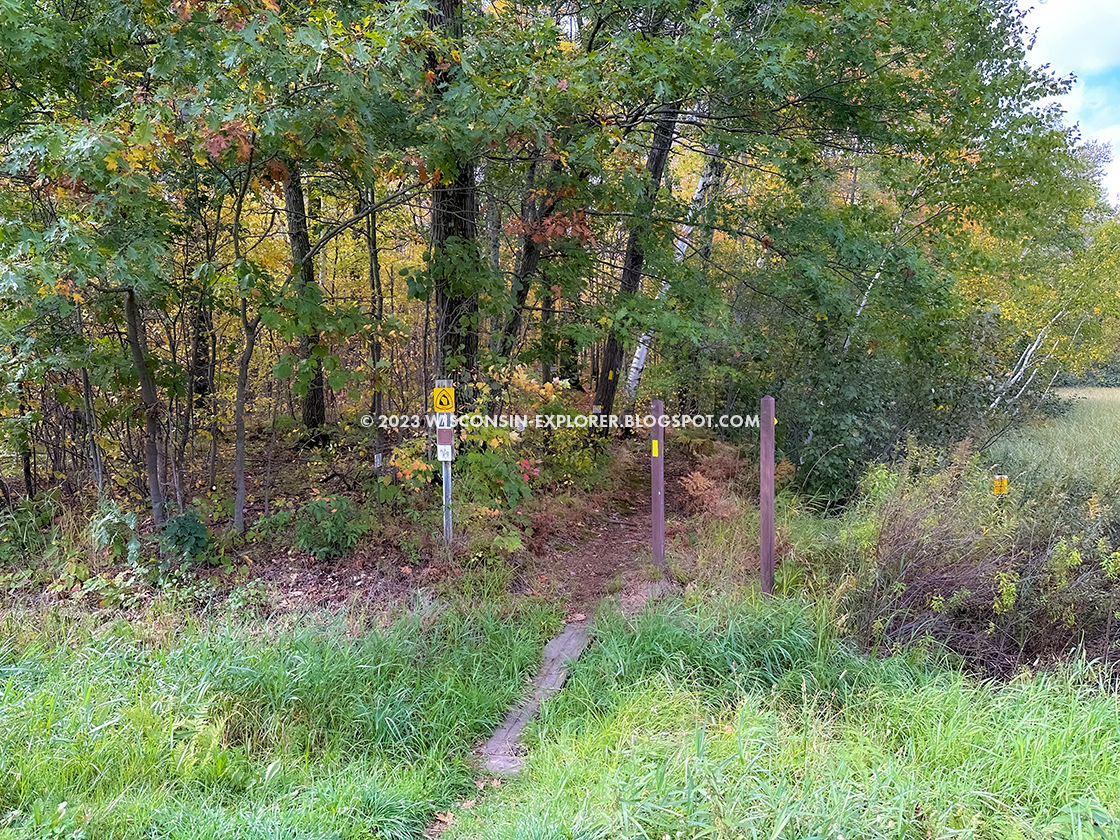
pixel 443 400
pixel 657 467
pixel 766 495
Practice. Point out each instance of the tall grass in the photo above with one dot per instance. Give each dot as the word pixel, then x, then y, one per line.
pixel 1065 471
pixel 799 738
pixel 239 733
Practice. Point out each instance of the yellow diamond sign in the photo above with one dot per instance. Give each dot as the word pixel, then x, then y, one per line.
pixel 443 399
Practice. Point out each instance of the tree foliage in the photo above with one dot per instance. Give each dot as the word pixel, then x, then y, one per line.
pixel 904 239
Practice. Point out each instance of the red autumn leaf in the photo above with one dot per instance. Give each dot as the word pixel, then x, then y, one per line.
pixel 215 142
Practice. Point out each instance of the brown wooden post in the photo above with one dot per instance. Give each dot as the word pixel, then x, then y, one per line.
pixel 657 463
pixel 766 495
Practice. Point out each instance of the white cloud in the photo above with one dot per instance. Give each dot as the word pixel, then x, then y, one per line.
pixel 1076 36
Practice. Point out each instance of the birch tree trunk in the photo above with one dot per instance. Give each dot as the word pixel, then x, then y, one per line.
pixel 634 261
pixel 710 178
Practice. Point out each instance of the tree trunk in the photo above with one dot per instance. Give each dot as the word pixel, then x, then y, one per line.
pixel 527 261
pixel 152 409
pixel 455 248
pixel 25 443
pixel 455 255
pixel 202 360
pixel 91 432
pixel 631 281
pixel 710 178
pixel 548 336
pixel 377 308
pixel 248 343
pixel 314 408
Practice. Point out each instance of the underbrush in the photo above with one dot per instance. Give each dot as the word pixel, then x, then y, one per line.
pixel 926 550
pixel 724 720
pixel 106 731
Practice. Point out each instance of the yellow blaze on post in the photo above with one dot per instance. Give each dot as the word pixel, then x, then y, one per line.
pixel 655 447
pixel 443 399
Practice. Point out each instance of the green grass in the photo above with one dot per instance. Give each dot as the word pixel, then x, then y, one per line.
pixel 1064 472
pixel 743 721
pixel 1083 444
pixel 105 734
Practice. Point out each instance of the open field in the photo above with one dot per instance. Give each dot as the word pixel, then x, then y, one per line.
pixel 1085 442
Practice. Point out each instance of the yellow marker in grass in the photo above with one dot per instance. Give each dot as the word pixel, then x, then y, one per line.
pixel 999 485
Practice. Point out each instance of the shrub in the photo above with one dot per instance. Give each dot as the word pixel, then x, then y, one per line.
pixel 187 536
pixel 565 454
pixel 930 552
pixel 492 462
pixel 329 527
pixel 412 469
pixel 25 530
pixel 274 523
pixel 113 531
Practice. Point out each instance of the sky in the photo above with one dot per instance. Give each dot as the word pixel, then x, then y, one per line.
pixel 1082 37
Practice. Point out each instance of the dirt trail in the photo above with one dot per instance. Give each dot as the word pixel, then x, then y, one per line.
pixel 613 560
pixel 607 551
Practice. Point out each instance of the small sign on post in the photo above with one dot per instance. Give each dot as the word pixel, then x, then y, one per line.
pixel 443 401
pixel 999 485
pixel 443 397
pixel 445 443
